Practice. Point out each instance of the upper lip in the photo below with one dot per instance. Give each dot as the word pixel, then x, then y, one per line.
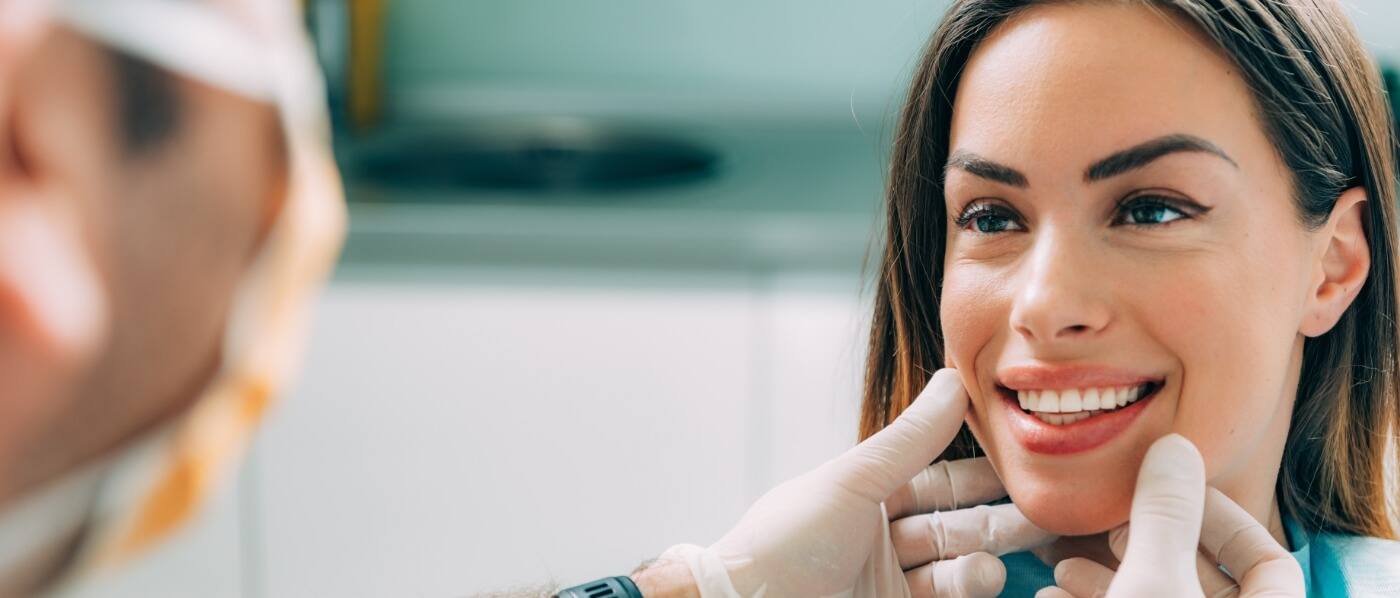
pixel 1067 376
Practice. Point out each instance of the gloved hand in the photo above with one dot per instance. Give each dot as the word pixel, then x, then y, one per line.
pixel 827 533
pixel 1172 512
pixel 940 541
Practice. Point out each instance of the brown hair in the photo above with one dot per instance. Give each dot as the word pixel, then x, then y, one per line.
pixel 1321 103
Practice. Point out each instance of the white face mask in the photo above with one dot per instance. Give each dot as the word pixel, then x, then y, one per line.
pixel 256 49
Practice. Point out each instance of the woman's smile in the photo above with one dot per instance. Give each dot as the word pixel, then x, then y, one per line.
pixel 1071 421
pixel 1065 409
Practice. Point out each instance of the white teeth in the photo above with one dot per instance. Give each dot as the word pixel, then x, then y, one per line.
pixel 1062 419
pixel 1031 398
pixel 1067 406
pixel 1069 401
pixel 1091 399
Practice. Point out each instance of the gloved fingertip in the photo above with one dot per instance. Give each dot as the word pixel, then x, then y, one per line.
pixel 947 382
pixel 1172 456
pixel 1065 569
pixel 1061 571
pixel 989 572
pixel 1118 541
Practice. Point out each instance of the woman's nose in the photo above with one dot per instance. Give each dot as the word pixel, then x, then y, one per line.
pixel 1063 296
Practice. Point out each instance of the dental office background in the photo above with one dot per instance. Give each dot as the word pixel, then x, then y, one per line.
pixel 603 287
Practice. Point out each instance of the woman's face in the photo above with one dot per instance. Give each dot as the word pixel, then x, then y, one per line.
pixel 1117 220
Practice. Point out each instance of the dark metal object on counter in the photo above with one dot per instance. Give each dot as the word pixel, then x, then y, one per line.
pixel 534 155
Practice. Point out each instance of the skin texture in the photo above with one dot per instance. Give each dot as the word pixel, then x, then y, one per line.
pixel 1214 300
pixel 137 255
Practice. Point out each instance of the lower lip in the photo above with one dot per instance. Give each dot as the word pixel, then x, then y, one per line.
pixel 1049 439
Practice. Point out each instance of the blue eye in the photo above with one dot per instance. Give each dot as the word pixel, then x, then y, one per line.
pixel 991 223
pixel 1150 211
pixel 987 219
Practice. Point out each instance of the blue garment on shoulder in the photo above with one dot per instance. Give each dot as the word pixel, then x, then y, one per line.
pixel 1334 566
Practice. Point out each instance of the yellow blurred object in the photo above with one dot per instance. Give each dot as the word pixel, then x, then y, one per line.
pixel 366 89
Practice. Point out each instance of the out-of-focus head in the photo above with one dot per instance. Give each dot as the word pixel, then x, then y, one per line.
pixel 1189 204
pixel 146 171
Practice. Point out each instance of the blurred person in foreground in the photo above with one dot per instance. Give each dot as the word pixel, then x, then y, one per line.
pixel 168 206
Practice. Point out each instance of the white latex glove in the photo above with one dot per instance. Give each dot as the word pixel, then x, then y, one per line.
pixel 938 538
pixel 1173 513
pixel 826 533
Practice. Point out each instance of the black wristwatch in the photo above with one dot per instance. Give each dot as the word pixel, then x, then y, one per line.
pixel 608 587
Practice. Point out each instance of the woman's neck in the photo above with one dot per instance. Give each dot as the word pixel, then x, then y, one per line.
pixel 1256 495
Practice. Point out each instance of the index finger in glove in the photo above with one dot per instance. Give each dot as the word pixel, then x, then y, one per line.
pixel 889 459
pixel 949 534
pixel 1214 582
pixel 1165 519
pixel 947 485
pixel 977 575
pixel 1166 504
pixel 1083 577
pixel 1252 556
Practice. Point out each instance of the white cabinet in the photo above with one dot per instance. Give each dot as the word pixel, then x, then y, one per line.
pixel 815 330
pixel 489 430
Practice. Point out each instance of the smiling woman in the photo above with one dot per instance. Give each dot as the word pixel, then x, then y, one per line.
pixel 1119 220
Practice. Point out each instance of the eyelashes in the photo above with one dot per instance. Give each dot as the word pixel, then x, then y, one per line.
pixel 984 212
pixel 1143 210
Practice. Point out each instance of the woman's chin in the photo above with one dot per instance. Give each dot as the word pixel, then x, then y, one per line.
pixel 1072 508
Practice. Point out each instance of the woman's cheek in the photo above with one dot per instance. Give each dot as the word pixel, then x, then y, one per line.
pixel 969 318
pixel 1231 357
pixel 969 313
pixel 1184 316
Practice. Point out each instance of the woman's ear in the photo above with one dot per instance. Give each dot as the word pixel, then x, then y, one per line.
pixel 1343 263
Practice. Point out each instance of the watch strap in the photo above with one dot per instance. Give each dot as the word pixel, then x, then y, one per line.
pixel 609 587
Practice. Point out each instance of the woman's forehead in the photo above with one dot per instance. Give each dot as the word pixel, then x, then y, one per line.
pixel 1070 83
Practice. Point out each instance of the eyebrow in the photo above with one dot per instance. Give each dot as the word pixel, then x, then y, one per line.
pixel 985 168
pixel 1135 157
pixel 1143 153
